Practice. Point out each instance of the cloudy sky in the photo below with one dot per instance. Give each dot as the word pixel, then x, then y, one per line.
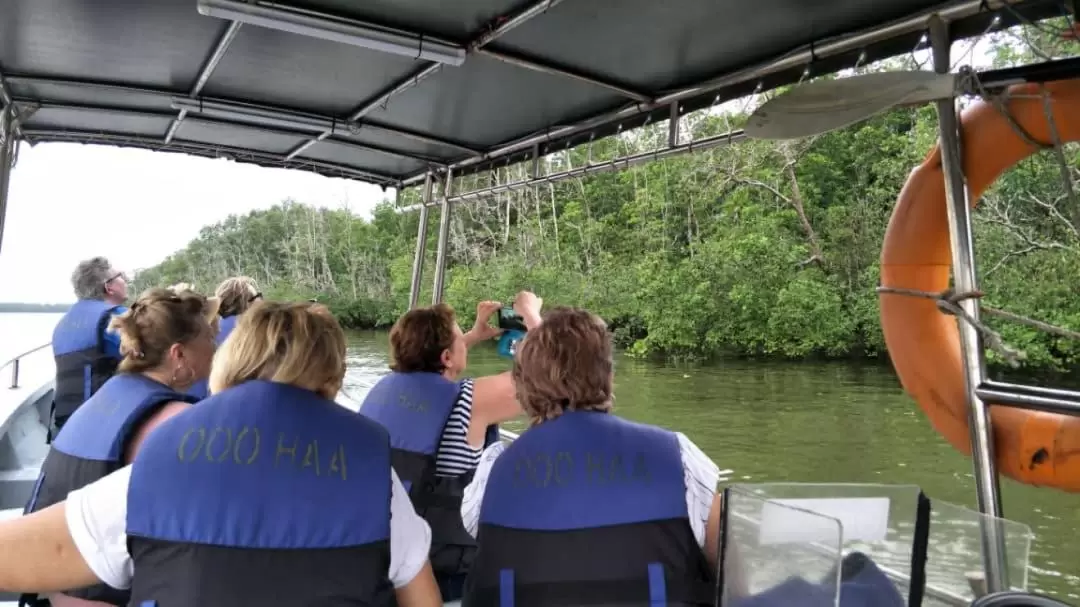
pixel 68 202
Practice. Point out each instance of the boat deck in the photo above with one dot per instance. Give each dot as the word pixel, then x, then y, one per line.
pixel 24 417
pixel 24 420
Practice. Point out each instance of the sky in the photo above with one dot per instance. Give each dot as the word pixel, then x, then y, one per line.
pixel 68 202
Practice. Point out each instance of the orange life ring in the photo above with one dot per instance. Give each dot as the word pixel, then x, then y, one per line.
pixel 1031 447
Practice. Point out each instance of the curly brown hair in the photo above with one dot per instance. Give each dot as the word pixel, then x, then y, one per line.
pixel 158 319
pixel 419 338
pixel 565 364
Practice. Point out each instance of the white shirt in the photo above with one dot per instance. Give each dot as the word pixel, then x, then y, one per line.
pixel 97 520
pixel 701 476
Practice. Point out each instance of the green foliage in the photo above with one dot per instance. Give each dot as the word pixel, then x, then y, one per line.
pixel 758 249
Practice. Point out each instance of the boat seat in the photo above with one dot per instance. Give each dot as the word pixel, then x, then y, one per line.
pixel 10 513
pixel 1014 598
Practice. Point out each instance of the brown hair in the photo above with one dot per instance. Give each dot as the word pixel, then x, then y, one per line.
pixel 158 319
pixel 236 295
pixel 299 344
pixel 565 364
pixel 419 337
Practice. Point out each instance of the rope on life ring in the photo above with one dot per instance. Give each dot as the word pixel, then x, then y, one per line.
pixel 1032 447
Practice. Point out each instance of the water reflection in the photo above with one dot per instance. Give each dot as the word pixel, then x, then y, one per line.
pixel 806 422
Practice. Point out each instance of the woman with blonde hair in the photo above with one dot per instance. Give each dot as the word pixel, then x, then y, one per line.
pixel 167 342
pixel 445 422
pixel 236 295
pixel 266 493
pixel 586 507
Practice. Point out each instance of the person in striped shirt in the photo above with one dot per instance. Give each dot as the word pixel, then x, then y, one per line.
pixel 439 422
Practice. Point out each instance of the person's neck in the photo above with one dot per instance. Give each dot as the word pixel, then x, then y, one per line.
pixel 114 301
pixel 450 374
pixel 163 377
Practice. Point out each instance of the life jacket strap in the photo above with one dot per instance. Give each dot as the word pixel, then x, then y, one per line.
pixel 660 590
pixel 33 600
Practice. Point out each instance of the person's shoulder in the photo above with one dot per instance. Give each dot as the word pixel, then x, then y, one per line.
pixel 492 452
pixel 694 459
pixel 362 423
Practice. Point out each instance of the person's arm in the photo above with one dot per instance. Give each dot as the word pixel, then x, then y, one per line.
pixel 531 319
pixel 97 521
pixel 482 329
pixel 736 581
pixel 701 476
pixel 167 411
pixel 474 491
pixel 712 532
pixel 78 542
pixel 410 541
pixel 705 506
pixel 528 305
pixel 494 397
pixel 473 337
pixel 494 402
pixel 38 554
pixel 422 591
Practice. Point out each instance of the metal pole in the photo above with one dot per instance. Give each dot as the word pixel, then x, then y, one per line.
pixel 616 164
pixel 444 236
pixel 421 244
pixel 964 281
pixel 7 157
pixel 673 126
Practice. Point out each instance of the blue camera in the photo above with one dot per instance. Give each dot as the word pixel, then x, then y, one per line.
pixel 514 329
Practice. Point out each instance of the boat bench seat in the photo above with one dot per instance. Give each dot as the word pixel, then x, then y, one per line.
pixel 10 513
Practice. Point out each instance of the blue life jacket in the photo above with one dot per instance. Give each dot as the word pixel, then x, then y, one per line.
pixel 414 408
pixel 863 585
pixel 262 494
pixel 584 509
pixel 92 445
pixel 226 324
pixel 82 365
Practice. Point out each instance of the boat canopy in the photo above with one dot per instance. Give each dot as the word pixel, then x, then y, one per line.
pixel 385 91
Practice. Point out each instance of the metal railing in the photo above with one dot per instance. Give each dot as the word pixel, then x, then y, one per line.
pixel 14 363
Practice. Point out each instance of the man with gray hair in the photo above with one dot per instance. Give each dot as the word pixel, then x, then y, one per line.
pixel 86 352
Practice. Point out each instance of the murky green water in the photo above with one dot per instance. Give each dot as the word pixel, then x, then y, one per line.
pixel 808 423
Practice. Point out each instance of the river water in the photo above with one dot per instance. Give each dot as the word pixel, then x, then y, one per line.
pixel 805 422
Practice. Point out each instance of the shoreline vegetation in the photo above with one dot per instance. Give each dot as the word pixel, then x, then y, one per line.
pixel 760 249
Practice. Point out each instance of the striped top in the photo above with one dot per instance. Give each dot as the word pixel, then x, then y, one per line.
pixel 455 457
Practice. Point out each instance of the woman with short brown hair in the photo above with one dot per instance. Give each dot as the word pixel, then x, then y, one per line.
pixel 439 423
pixel 586 505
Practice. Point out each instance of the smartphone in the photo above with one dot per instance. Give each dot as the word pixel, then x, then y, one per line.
pixel 509 320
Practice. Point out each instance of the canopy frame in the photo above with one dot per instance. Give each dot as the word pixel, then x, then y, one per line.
pixel 363 130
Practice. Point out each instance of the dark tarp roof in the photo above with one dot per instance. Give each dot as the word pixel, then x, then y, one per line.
pixel 109 71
